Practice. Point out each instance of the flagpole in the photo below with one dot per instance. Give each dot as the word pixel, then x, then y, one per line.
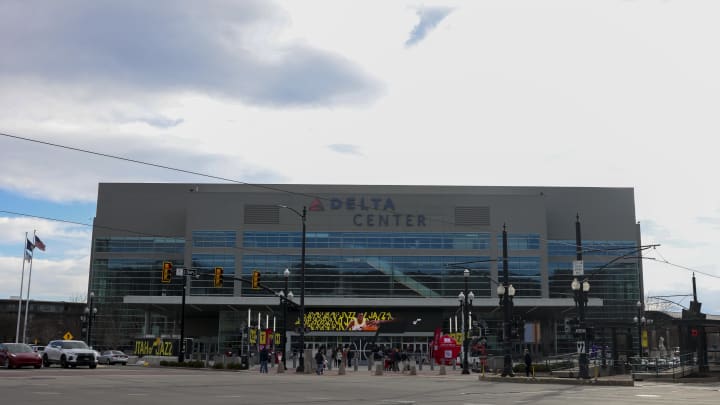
pixel 22 282
pixel 27 301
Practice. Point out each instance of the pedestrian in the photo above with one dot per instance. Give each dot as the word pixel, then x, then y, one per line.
pixel 264 359
pixel 333 357
pixel 350 357
pixel 528 363
pixel 320 362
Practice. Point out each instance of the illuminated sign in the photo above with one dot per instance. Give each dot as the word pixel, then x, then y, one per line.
pixel 382 208
pixel 346 320
pixel 155 347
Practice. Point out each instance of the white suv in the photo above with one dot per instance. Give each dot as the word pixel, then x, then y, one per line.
pixel 69 353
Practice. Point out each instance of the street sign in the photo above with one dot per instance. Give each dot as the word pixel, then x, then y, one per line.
pixel 578 269
pixel 580 346
pixel 580 330
pixel 68 336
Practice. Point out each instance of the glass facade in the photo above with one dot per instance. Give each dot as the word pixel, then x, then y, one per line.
pixel 524 274
pixel 371 276
pixel 367 240
pixel 591 247
pixel 611 277
pixel 520 241
pixel 115 278
pixel 204 265
pixel 139 245
pixel 214 239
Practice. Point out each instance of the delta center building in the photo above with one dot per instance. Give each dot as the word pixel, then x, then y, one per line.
pixel 367 265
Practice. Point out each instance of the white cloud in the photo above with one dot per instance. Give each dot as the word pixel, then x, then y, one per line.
pixel 50 279
pixel 556 93
pixel 214 47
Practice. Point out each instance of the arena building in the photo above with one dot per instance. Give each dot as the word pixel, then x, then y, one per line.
pixel 393 254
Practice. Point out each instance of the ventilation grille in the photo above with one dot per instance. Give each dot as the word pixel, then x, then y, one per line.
pixel 262 214
pixel 472 216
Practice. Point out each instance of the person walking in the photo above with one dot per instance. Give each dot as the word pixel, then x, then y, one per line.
pixel 264 359
pixel 319 362
pixel 528 363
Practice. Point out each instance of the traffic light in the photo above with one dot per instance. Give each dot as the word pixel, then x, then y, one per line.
pixel 218 281
pixel 167 268
pixel 255 279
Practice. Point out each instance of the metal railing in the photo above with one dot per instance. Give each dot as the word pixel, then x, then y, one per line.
pixel 671 366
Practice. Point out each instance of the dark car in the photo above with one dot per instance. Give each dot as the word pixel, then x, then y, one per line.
pixel 16 355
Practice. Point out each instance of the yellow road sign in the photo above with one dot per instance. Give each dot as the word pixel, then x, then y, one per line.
pixel 68 336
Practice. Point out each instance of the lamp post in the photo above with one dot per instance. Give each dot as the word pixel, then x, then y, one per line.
pixel 580 292
pixel 641 321
pixel 303 217
pixel 285 295
pixel 506 292
pixel 90 312
pixel 465 297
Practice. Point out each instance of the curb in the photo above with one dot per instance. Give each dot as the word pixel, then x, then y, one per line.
pixel 564 381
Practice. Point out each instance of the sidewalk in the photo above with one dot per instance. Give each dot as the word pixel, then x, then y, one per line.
pixel 427 372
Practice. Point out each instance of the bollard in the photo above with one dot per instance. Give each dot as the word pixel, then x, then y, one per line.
pixel 454 361
pixel 370 361
pixel 355 364
pixel 442 369
pixel 280 368
pixel 378 369
pixel 432 364
pixel 308 360
pixel 341 370
pixel 413 371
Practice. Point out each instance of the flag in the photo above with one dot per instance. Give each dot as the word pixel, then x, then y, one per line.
pixel 39 244
pixel 27 256
pixel 29 246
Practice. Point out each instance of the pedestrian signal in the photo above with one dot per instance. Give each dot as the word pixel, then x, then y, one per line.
pixel 218 281
pixel 255 279
pixel 167 268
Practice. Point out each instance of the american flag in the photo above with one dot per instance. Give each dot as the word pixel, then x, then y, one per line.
pixel 39 244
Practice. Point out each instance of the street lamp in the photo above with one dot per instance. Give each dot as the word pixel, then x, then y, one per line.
pixel 506 295
pixel 641 321
pixel 285 295
pixel 465 297
pixel 303 216
pixel 580 294
pixel 90 312
pixel 506 292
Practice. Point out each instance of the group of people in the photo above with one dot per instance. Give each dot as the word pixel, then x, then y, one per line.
pixel 395 359
pixel 325 359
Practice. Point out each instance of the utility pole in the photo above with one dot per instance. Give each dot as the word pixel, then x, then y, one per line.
pixel 583 359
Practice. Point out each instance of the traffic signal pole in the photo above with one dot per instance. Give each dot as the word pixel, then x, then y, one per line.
pixel 181 350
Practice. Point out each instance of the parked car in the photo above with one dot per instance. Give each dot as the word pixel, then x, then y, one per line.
pixel 113 357
pixel 69 353
pixel 38 349
pixel 16 355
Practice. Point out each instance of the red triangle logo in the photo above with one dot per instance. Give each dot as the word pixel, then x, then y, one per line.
pixel 316 205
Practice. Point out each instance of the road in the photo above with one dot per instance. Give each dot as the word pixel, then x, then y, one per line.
pixel 133 385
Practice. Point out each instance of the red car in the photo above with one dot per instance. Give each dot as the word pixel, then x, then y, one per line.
pixel 16 355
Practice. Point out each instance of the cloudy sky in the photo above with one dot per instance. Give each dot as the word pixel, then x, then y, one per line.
pixel 609 93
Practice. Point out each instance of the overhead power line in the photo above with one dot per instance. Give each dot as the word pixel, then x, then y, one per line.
pixel 261 186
